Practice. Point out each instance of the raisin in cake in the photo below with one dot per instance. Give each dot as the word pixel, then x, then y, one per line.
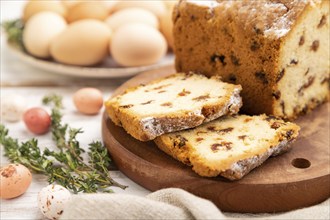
pixel 278 50
pixel 174 103
pixel 230 146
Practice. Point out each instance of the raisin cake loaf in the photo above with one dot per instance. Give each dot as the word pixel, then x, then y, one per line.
pixel 230 146
pixel 173 103
pixel 278 50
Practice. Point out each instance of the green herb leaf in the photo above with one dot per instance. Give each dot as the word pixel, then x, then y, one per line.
pixel 14 30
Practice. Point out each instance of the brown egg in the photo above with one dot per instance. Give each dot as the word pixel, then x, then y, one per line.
pixel 170 4
pixel 47 25
pixel 110 4
pixel 166 27
pixel 156 7
pixel 37 120
pixel 88 100
pixel 83 43
pixel 35 6
pixel 87 9
pixel 131 15
pixel 69 3
pixel 137 45
pixel 15 180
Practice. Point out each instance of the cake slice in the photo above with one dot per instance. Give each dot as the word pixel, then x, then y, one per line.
pixel 230 146
pixel 173 103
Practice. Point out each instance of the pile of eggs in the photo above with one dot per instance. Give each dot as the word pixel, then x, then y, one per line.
pixel 84 33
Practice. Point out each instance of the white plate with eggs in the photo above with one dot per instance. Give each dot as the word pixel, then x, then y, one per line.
pixel 107 69
pixel 95 39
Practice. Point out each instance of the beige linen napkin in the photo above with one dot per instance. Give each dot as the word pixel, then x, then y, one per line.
pixel 163 204
pixel 167 204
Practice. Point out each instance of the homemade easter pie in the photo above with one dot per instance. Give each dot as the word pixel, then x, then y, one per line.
pixel 173 103
pixel 278 50
pixel 230 146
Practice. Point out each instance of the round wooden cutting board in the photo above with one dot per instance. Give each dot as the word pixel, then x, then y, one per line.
pixel 295 179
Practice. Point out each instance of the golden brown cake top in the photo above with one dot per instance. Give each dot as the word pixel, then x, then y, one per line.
pixel 273 18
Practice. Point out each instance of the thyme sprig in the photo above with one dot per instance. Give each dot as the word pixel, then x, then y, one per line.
pixel 14 30
pixel 66 165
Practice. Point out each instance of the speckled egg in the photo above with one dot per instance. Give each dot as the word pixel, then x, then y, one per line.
pixel 13 107
pixel 15 180
pixel 52 200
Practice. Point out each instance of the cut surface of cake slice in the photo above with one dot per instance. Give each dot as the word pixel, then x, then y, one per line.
pixel 173 103
pixel 230 146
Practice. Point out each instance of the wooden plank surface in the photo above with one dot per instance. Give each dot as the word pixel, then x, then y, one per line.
pixel 296 179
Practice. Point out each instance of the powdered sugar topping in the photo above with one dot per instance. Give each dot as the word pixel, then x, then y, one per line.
pixel 273 18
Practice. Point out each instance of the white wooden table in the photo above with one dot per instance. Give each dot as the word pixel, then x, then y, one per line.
pixel 22 79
